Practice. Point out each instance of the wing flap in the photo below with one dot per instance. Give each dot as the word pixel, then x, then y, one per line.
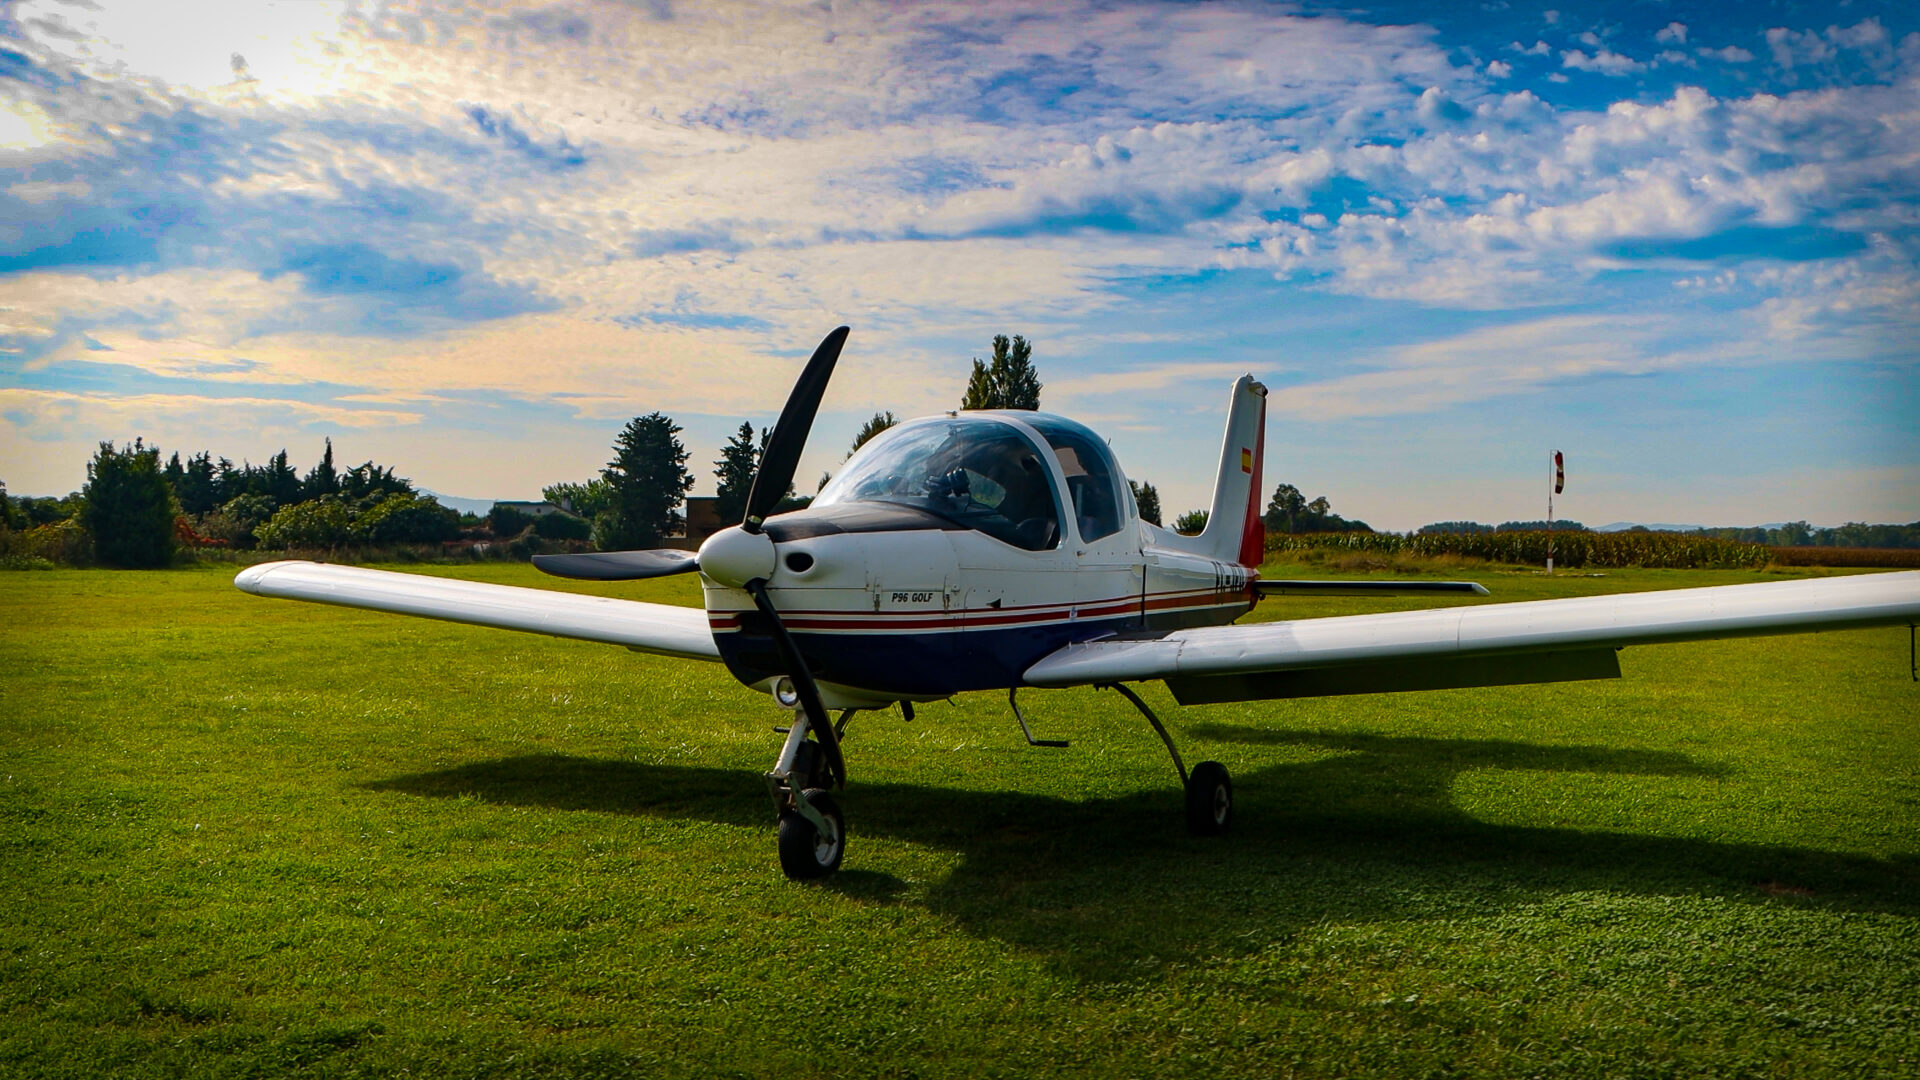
pixel 655 628
pixel 1536 626
pixel 1394 676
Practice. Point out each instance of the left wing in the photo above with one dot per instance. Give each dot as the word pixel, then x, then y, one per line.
pixel 654 628
pixel 1488 645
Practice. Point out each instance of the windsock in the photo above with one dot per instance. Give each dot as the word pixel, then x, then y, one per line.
pixel 1559 473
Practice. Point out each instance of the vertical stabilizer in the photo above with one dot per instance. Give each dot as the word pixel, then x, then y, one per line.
pixel 1234 532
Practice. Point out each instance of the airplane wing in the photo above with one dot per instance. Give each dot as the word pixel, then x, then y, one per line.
pixel 654 628
pixel 1486 645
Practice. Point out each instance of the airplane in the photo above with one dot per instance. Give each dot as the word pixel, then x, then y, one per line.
pixel 998 550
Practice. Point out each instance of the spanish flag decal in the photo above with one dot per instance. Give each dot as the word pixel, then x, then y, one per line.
pixel 1246 460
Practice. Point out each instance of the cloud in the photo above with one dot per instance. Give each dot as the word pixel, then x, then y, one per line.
pixel 581 210
pixel 1732 54
pixel 1485 364
pixel 1601 62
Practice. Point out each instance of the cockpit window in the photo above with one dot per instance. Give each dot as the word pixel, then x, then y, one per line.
pixel 1092 481
pixel 980 473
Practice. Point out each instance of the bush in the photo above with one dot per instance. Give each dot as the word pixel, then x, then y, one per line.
pixel 406 519
pixel 322 523
pixel 505 522
pixel 562 527
pixel 237 520
pixel 63 543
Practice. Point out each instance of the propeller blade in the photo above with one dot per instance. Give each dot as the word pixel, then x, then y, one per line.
pixel 818 721
pixel 789 436
pixel 618 565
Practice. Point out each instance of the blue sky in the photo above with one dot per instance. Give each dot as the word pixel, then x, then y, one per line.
pixel 1676 241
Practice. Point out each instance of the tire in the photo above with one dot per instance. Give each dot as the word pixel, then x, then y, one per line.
pixel 1209 800
pixel 804 854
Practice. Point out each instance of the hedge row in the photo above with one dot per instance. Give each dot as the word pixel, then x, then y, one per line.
pixel 1570 549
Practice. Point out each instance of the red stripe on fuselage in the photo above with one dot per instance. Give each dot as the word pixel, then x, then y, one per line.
pixel 829 620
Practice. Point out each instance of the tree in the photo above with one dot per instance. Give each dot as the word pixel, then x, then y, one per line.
pixel 323 479
pixel 229 483
pixel 649 478
pixel 1009 382
pixel 1191 523
pixel 129 507
pixel 282 482
pixel 880 422
pixel 198 487
pixel 589 500
pixel 979 393
pixel 1285 509
pixel 366 480
pixel 1148 499
pixel 10 518
pixel 739 460
pixel 176 474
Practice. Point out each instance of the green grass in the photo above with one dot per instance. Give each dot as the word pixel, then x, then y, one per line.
pixel 249 837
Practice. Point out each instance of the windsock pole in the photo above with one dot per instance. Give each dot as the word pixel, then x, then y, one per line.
pixel 1559 484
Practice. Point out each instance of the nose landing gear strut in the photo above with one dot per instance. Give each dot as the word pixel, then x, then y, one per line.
pixel 812 830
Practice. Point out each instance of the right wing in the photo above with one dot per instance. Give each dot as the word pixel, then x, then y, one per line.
pixel 1484 645
pixel 655 628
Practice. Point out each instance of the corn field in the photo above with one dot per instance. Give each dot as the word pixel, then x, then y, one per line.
pixel 1570 549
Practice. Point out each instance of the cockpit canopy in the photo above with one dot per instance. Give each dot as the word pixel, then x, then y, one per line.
pixel 983 472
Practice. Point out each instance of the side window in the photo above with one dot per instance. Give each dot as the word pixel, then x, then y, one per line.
pixel 1094 491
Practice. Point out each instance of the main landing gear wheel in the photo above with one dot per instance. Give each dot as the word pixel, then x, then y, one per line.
pixel 806 854
pixel 1209 800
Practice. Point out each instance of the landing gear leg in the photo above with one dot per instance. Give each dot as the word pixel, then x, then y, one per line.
pixel 813 832
pixel 1209 789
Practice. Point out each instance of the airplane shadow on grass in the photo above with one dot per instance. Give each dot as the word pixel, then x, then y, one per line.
pixel 1114 888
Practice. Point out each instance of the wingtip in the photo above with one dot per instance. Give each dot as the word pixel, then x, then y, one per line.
pixel 252 579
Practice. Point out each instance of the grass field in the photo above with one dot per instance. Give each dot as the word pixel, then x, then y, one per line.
pixel 248 837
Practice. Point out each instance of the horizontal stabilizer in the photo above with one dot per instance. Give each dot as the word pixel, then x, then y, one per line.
pixel 1366 588
pixel 654 628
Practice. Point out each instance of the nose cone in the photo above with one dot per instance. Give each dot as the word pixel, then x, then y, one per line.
pixel 734 557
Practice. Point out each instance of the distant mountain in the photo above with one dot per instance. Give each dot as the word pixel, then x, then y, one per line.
pixel 465 506
pixel 1623 526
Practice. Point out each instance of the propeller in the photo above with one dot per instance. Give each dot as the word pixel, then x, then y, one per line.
pixel 619 565
pixel 743 558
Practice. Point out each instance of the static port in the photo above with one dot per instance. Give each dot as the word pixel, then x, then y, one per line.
pixel 799 562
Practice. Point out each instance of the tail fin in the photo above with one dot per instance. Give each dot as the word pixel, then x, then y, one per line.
pixel 1235 532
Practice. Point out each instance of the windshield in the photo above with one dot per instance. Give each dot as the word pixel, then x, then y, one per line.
pixel 981 473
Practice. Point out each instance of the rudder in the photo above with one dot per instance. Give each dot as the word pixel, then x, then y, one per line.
pixel 1235 532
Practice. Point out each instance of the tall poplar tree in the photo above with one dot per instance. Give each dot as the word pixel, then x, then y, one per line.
pixel 1009 382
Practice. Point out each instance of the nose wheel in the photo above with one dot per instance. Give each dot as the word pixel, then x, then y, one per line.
pixel 806 850
pixel 812 830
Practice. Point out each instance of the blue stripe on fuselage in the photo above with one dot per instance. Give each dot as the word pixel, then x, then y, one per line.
pixel 938 664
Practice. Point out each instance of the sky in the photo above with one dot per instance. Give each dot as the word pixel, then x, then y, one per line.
pixel 1678 242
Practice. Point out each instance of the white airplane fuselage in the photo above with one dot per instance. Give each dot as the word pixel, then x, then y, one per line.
pixel 888 601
